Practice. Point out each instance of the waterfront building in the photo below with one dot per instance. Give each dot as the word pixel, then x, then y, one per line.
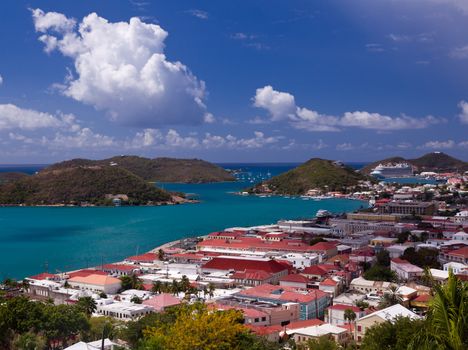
pixel 96 283
pixel 408 208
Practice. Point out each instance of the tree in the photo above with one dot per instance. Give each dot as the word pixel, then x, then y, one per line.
pixel 322 343
pixel 161 254
pixel 394 335
pixel 29 341
pixel 383 258
pixel 135 299
pixel 157 287
pixel 197 328
pixel 131 282
pixel 390 297
pixel 211 289
pixel 380 273
pixel 447 317
pixel 423 257
pixel 184 284
pixel 87 305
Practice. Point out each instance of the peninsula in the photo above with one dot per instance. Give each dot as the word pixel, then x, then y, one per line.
pixel 315 174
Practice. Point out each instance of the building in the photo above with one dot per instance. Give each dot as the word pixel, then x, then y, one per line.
pixel 243 269
pixel 312 302
pixel 457 268
pixel 294 280
pixel 396 250
pixel 457 255
pixel 161 301
pixel 336 314
pixel 96 283
pixel 362 285
pixel 120 269
pixel 405 270
pixel 124 311
pixel 302 335
pixel 408 208
pixel 387 314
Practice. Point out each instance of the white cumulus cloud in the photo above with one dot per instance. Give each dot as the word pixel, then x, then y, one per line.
pixel 282 106
pixel 121 68
pixel 437 145
pixel 14 117
pixel 464 112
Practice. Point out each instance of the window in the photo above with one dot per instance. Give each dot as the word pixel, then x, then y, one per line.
pixel 359 328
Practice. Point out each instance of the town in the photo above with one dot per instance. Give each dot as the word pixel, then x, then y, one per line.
pixel 294 280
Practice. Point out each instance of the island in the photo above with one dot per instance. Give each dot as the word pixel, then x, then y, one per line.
pixel 316 175
pixel 84 185
pixel 160 169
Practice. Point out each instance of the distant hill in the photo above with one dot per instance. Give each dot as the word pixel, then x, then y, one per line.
pixel 315 173
pixel 160 169
pixel 73 185
pixel 11 177
pixel 435 161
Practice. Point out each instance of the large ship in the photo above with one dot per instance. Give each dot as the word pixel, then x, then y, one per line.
pixel 383 171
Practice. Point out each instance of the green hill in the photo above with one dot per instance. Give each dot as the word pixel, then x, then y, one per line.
pixel 160 169
pixel 11 177
pixel 74 185
pixel 314 174
pixel 435 161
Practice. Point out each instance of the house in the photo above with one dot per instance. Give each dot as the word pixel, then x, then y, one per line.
pixel 325 249
pixel 94 345
pixel 161 301
pixel 147 258
pixel 120 269
pixel 294 280
pixel 226 264
pixel 330 286
pixel 457 268
pixel 253 277
pixel 124 311
pixel 405 270
pixel 362 285
pixel 336 314
pixel 397 250
pixel 457 255
pixel 96 283
pixel 301 335
pixel 387 314
pixel 319 272
pixel 45 276
pixel 312 302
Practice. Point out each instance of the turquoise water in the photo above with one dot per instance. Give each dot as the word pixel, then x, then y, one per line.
pixel 33 239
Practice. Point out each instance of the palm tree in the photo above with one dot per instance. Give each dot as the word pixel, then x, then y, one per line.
pixel 157 286
pixel 447 317
pixel 211 289
pixel 350 316
pixel 161 255
pixel 391 297
pixel 175 288
pixel 87 305
pixel 184 284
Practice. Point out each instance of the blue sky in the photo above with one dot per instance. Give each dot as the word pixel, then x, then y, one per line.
pixel 272 81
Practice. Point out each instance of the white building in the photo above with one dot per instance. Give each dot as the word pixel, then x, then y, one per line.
pixel 96 283
pixel 124 310
pixel 299 261
pixel 301 335
pixel 405 270
pixel 360 284
pixel 457 268
pixel 336 314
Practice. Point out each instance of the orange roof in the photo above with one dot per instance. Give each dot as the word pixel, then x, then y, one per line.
pixel 343 307
pixel 423 298
pixel 95 279
pixel 86 272
pixel 328 282
pixel 305 323
pixel 294 278
pixel 43 276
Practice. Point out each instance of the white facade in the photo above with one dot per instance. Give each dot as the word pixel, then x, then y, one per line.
pixel 457 268
pixel 124 310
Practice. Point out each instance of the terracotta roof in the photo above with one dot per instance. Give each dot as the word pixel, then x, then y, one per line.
pixel 86 272
pixel 324 246
pixel 462 252
pixel 283 293
pixel 294 278
pixel 95 279
pixel 400 261
pixel 423 298
pixel 304 323
pixel 343 307
pixel 120 267
pixel 161 301
pixel 270 266
pixel 254 243
pixel 252 275
pixel 43 276
pixel 319 270
pixel 147 257
pixel 265 330
pixel 328 282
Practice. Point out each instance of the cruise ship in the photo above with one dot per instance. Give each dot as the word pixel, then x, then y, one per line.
pixel 383 171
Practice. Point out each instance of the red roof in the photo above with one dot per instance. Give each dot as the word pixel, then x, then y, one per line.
pixel 319 270
pixel 342 307
pixel 399 261
pixel 328 282
pixel 283 293
pixel 225 264
pixel 43 276
pixel 147 257
pixel 85 273
pixel 252 275
pixel 254 243
pixel 462 252
pixel 294 278
pixel 265 330
pixel 324 246
pixel 120 267
pixel 305 323
pixel 423 298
